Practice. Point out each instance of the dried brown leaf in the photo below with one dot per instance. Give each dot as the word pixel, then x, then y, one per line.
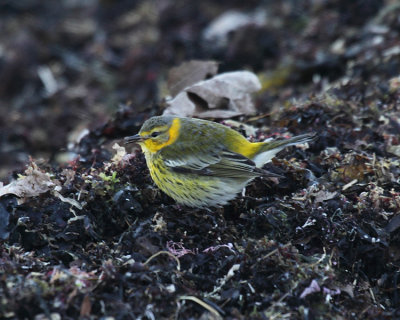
pixel 324 195
pixel 189 73
pixel 32 184
pixel 223 96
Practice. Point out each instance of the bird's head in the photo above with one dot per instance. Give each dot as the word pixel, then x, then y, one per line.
pixel 156 133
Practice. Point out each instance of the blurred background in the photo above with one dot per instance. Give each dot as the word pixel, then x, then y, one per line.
pixel 69 65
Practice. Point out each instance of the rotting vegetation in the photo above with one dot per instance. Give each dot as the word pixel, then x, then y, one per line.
pixel 95 237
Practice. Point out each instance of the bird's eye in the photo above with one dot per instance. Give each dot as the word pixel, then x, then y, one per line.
pixel 155 134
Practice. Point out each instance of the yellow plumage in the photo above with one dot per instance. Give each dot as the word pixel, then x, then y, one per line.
pixel 201 163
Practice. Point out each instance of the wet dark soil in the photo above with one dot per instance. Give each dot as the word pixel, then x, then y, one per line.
pixel 85 232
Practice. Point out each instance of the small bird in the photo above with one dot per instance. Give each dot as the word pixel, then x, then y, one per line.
pixel 201 163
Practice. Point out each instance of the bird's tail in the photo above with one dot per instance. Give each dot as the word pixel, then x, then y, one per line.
pixel 269 149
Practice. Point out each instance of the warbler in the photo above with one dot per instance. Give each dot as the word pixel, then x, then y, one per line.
pixel 201 163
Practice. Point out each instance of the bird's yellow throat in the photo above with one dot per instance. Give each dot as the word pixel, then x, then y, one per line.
pixel 153 146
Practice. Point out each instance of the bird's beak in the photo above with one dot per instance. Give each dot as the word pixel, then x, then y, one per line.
pixel 137 138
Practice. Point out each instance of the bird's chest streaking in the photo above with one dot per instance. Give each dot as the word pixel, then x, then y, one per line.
pixel 201 163
pixel 193 189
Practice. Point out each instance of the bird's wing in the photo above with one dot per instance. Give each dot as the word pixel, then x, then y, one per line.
pixel 201 152
pixel 198 147
pixel 192 158
pixel 224 164
pixel 234 165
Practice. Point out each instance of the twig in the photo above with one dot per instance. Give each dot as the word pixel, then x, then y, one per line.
pixel 178 267
pixel 202 303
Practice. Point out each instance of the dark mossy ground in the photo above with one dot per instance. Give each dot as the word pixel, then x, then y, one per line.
pixel 91 236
